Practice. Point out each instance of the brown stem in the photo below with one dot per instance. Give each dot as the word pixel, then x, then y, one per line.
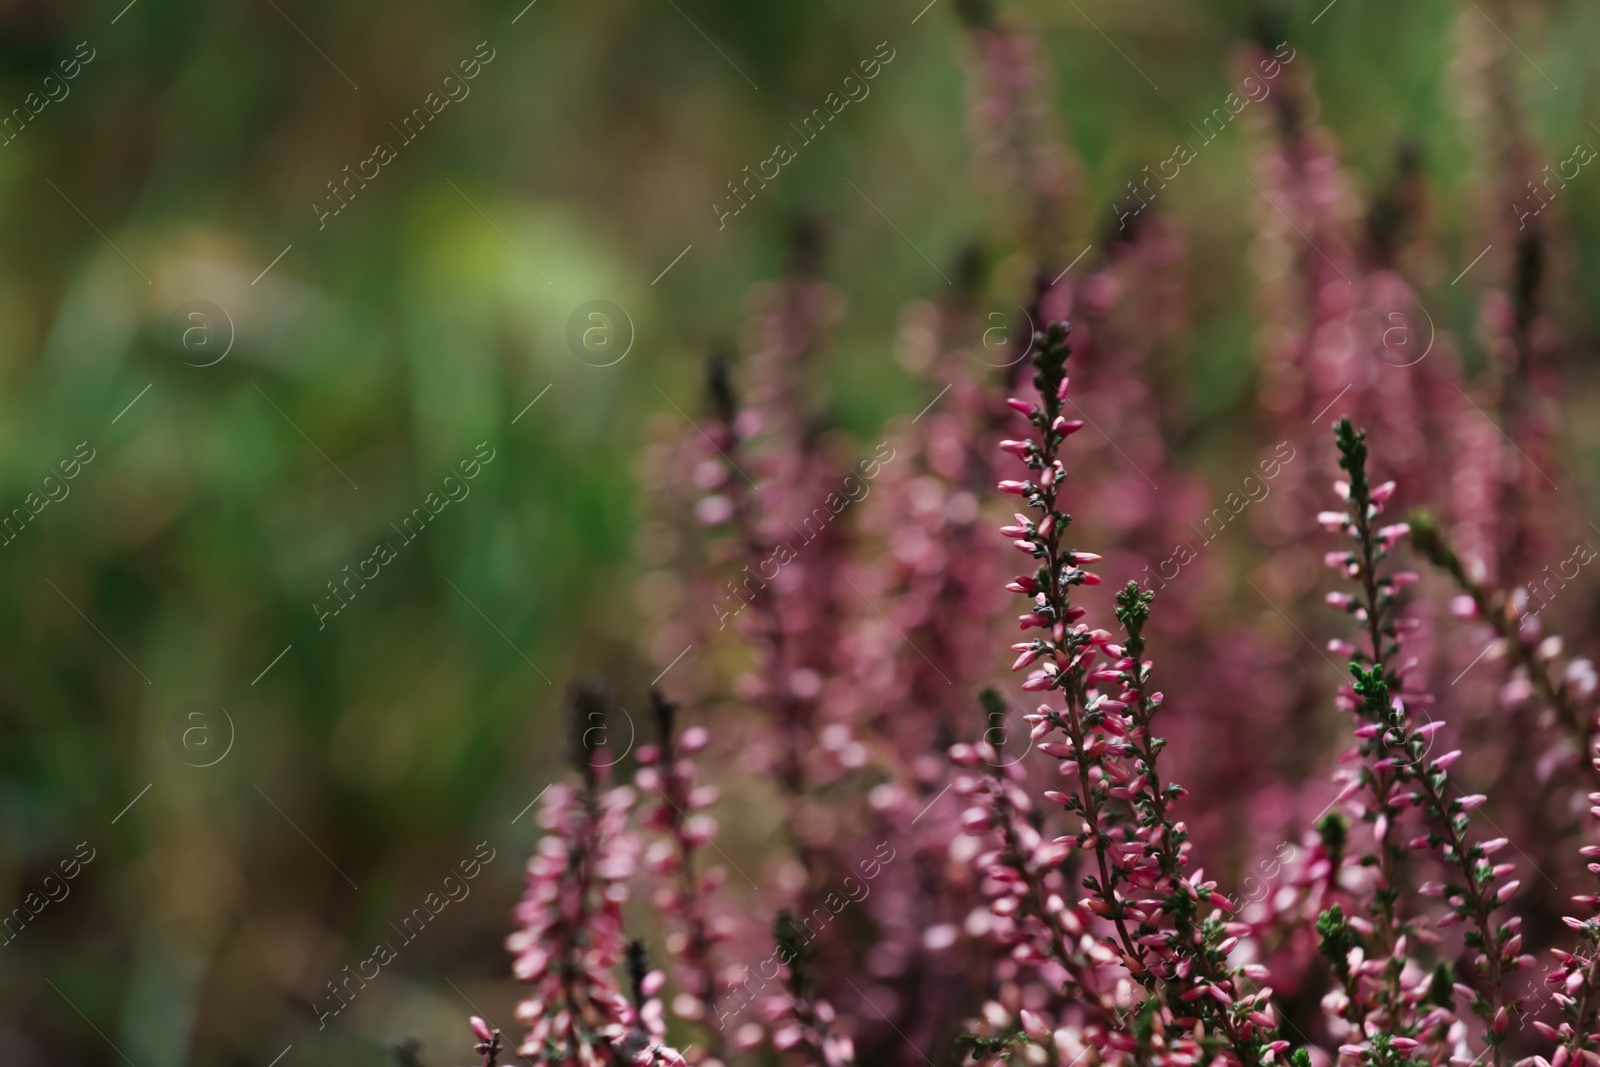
pixel 1091 817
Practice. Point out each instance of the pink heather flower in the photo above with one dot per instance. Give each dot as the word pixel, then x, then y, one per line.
pixel 1402 777
pixel 1108 757
pixel 570 917
pixel 488 1044
pixel 688 904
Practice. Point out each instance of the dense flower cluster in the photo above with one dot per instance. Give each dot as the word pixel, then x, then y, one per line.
pixel 1055 896
pixel 1165 929
pixel 667 770
pixel 570 935
pixel 1399 775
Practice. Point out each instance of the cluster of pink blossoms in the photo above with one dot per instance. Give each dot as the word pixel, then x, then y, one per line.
pixel 1151 941
pixel 570 936
pixel 1058 914
pixel 1391 1003
pixel 667 771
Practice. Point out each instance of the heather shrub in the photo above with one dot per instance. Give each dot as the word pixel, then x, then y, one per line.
pixel 1377 854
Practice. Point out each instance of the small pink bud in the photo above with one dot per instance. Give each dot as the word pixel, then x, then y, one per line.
pixel 480 1030
pixel 1383 492
pixel 1022 406
pixel 975 821
pixel 1015 488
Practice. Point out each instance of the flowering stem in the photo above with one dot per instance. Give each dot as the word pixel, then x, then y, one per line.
pixel 1093 796
pixel 1164 839
pixel 1577 978
pixel 675 789
pixel 788 712
pixel 1494 607
pixel 1071 649
pixel 1023 862
pixel 1390 731
pixel 1375 603
pixel 1583 1012
pixel 1100 737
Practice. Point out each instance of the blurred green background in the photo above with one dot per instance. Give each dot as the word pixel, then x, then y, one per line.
pixel 373 752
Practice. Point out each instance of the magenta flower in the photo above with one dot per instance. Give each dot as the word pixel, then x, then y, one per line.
pixel 570 934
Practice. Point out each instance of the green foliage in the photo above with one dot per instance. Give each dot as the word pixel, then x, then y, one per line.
pixel 1334 829
pixel 1335 938
pixel 980 1047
